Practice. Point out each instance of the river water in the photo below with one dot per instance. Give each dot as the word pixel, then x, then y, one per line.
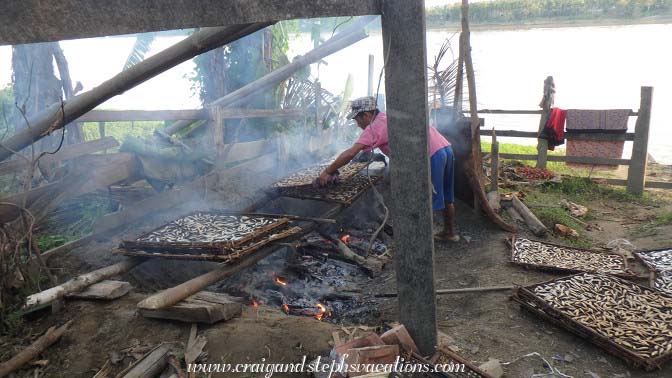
pixel 594 68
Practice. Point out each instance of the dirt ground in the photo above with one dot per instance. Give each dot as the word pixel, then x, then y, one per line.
pixel 483 325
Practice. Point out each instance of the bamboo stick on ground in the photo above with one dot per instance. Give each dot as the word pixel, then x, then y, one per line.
pixel 465 290
pixel 79 283
pixel 531 220
pixel 25 356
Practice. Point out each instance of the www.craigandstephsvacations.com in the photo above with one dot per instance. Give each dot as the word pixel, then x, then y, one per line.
pixel 329 367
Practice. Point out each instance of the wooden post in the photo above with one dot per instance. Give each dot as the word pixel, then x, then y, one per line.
pixel 457 99
pixel 494 159
pixel 369 91
pixel 638 161
pixel 546 104
pixel 318 101
pixel 101 129
pixel 404 41
pixel 217 125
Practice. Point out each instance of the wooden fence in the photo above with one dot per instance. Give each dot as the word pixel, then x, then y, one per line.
pixel 636 181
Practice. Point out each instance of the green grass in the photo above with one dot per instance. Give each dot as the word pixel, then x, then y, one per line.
pixel 649 228
pixel 119 130
pixel 47 242
pixel 581 189
pixel 662 219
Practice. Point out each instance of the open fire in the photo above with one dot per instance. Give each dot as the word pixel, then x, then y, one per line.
pixel 281 280
pixel 314 279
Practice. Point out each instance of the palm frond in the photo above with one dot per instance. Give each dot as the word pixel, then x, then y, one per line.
pixel 442 81
pixel 142 45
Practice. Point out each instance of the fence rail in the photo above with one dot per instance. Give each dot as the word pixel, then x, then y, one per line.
pixel 636 181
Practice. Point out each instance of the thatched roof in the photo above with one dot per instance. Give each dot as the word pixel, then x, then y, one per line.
pixel 29 21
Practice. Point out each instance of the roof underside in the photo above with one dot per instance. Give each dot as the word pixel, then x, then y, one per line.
pixel 31 21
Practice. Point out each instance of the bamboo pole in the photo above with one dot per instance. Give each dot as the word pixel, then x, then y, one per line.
pixel 25 356
pixel 78 283
pixel 61 114
pixel 531 220
pixel 285 72
pixel 474 167
pixel 465 290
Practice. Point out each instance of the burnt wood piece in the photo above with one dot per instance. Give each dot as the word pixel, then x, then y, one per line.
pixel 202 307
pixel 105 290
pixel 151 365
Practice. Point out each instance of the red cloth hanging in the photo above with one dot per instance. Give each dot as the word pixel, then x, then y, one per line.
pixel 555 128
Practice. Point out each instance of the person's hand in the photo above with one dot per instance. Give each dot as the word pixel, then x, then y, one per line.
pixel 324 178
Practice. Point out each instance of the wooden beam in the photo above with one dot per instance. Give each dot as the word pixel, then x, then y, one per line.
pixel 202 307
pixel 184 115
pixel 65 153
pixel 640 155
pixel 30 21
pixel 404 43
pixel 142 115
pixel 503 111
pixel 568 136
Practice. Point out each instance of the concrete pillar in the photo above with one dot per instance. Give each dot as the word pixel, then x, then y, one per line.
pixel 405 50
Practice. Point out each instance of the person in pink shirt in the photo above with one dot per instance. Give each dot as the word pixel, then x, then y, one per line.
pixel 442 162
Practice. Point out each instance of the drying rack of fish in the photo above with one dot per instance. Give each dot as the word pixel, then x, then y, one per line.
pixel 658 259
pixel 547 256
pixel 662 280
pixel 209 236
pixel 307 176
pixel 630 321
pixel 345 192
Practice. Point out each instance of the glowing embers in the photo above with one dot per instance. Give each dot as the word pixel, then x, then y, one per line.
pixel 210 236
pixel 630 321
pixel 345 192
pixel 546 256
pixel 307 176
